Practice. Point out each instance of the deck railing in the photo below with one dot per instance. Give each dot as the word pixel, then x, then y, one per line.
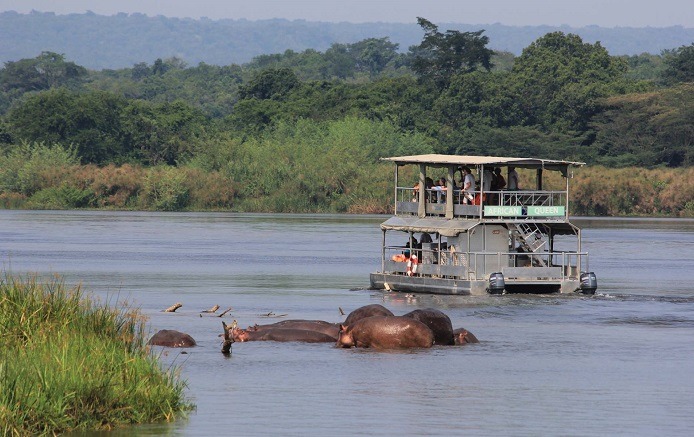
pixel 492 205
pixel 559 265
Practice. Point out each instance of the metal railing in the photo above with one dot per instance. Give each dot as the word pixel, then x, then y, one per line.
pixel 467 205
pixel 477 266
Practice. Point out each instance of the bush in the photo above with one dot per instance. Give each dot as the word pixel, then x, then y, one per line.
pixel 165 189
pixel 31 167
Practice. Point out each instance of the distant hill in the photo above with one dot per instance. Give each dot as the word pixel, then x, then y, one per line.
pixel 119 41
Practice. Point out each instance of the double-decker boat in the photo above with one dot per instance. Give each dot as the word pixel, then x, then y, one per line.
pixel 443 239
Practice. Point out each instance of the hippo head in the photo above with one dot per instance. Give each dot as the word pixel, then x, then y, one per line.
pixel 238 334
pixel 464 336
pixel 345 338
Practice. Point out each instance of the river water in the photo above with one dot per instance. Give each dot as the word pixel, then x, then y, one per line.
pixel 617 363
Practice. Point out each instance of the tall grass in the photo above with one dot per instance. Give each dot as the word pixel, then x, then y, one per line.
pixel 304 166
pixel 69 363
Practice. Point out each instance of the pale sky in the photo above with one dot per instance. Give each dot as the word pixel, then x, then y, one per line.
pixel 575 13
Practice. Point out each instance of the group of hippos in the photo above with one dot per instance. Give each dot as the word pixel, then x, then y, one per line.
pixel 370 326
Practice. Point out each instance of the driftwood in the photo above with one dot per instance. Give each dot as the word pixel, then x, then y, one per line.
pixel 342 313
pixel 228 339
pixel 211 310
pixel 173 308
pixel 224 312
pixel 271 314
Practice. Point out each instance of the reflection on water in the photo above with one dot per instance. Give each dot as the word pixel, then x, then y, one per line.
pixel 615 363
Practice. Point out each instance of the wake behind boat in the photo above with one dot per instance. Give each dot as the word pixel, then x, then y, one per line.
pixel 452 238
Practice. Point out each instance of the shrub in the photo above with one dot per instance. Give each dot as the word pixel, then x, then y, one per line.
pixel 165 189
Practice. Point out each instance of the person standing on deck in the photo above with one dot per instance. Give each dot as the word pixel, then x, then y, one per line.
pixel 512 179
pixel 468 185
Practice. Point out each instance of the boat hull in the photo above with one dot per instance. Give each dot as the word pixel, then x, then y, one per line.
pixel 431 285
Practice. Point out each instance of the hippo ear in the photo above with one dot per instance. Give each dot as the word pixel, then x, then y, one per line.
pixel 343 328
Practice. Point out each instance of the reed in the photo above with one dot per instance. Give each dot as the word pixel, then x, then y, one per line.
pixel 69 363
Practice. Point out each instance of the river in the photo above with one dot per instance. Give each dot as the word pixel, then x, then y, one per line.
pixel 617 363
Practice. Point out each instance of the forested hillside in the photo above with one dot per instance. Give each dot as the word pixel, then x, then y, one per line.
pixel 123 40
pixel 303 130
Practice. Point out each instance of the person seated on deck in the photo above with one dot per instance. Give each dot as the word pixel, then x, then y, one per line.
pixel 498 184
pixel 429 186
pixel 415 192
pixel 402 257
pixel 440 189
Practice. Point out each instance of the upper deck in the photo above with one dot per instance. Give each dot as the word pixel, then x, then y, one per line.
pixel 528 202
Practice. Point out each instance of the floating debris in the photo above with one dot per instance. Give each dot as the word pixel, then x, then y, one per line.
pixel 173 308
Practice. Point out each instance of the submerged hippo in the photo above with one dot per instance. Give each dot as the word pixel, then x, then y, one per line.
pixel 463 336
pixel 171 338
pixel 331 329
pixel 438 322
pixel 281 334
pixel 367 311
pixel 386 332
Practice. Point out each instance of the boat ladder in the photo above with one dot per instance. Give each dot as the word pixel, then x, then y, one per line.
pixel 532 240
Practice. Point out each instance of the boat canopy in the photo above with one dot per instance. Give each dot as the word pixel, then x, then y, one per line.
pixel 447 228
pixel 436 160
pixel 451 228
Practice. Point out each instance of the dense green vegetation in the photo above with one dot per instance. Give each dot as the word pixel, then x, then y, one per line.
pixel 303 131
pixel 68 363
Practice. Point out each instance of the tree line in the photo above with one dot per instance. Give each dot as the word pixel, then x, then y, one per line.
pixel 561 98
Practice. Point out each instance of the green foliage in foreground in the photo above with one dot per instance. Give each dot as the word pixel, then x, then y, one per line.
pixel 68 363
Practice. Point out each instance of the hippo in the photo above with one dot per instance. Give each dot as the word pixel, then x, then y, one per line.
pixel 438 322
pixel 463 336
pixel 386 332
pixel 367 311
pixel 331 329
pixel 171 338
pixel 281 334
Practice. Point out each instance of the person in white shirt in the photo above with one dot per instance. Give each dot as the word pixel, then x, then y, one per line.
pixel 468 185
pixel 512 179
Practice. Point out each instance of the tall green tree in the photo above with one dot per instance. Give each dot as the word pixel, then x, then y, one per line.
pixel 558 81
pixel 442 55
pixel 679 65
pixel 46 71
pixel 273 83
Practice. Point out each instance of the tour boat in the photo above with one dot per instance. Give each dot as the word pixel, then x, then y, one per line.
pixel 443 239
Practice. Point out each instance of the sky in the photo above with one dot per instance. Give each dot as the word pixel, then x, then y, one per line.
pixel 574 13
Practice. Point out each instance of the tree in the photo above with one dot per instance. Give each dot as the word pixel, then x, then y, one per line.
pixel 441 55
pixel 558 79
pixel 89 121
pixel 679 65
pixel 41 73
pixel 272 84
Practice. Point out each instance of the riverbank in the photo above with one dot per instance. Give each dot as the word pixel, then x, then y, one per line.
pixel 69 363
pixel 43 180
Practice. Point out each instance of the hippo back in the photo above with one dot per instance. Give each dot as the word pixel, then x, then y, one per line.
pixel 386 332
pixel 171 338
pixel 367 311
pixel 437 321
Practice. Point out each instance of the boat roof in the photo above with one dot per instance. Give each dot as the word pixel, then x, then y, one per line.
pixel 447 228
pixel 442 160
pixel 453 227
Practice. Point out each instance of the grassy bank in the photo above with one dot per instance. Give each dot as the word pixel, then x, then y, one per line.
pixel 69 363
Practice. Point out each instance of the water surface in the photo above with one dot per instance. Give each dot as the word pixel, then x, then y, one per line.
pixel 618 363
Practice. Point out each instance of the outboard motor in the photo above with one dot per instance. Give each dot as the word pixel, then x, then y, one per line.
pixel 496 283
pixel 589 283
